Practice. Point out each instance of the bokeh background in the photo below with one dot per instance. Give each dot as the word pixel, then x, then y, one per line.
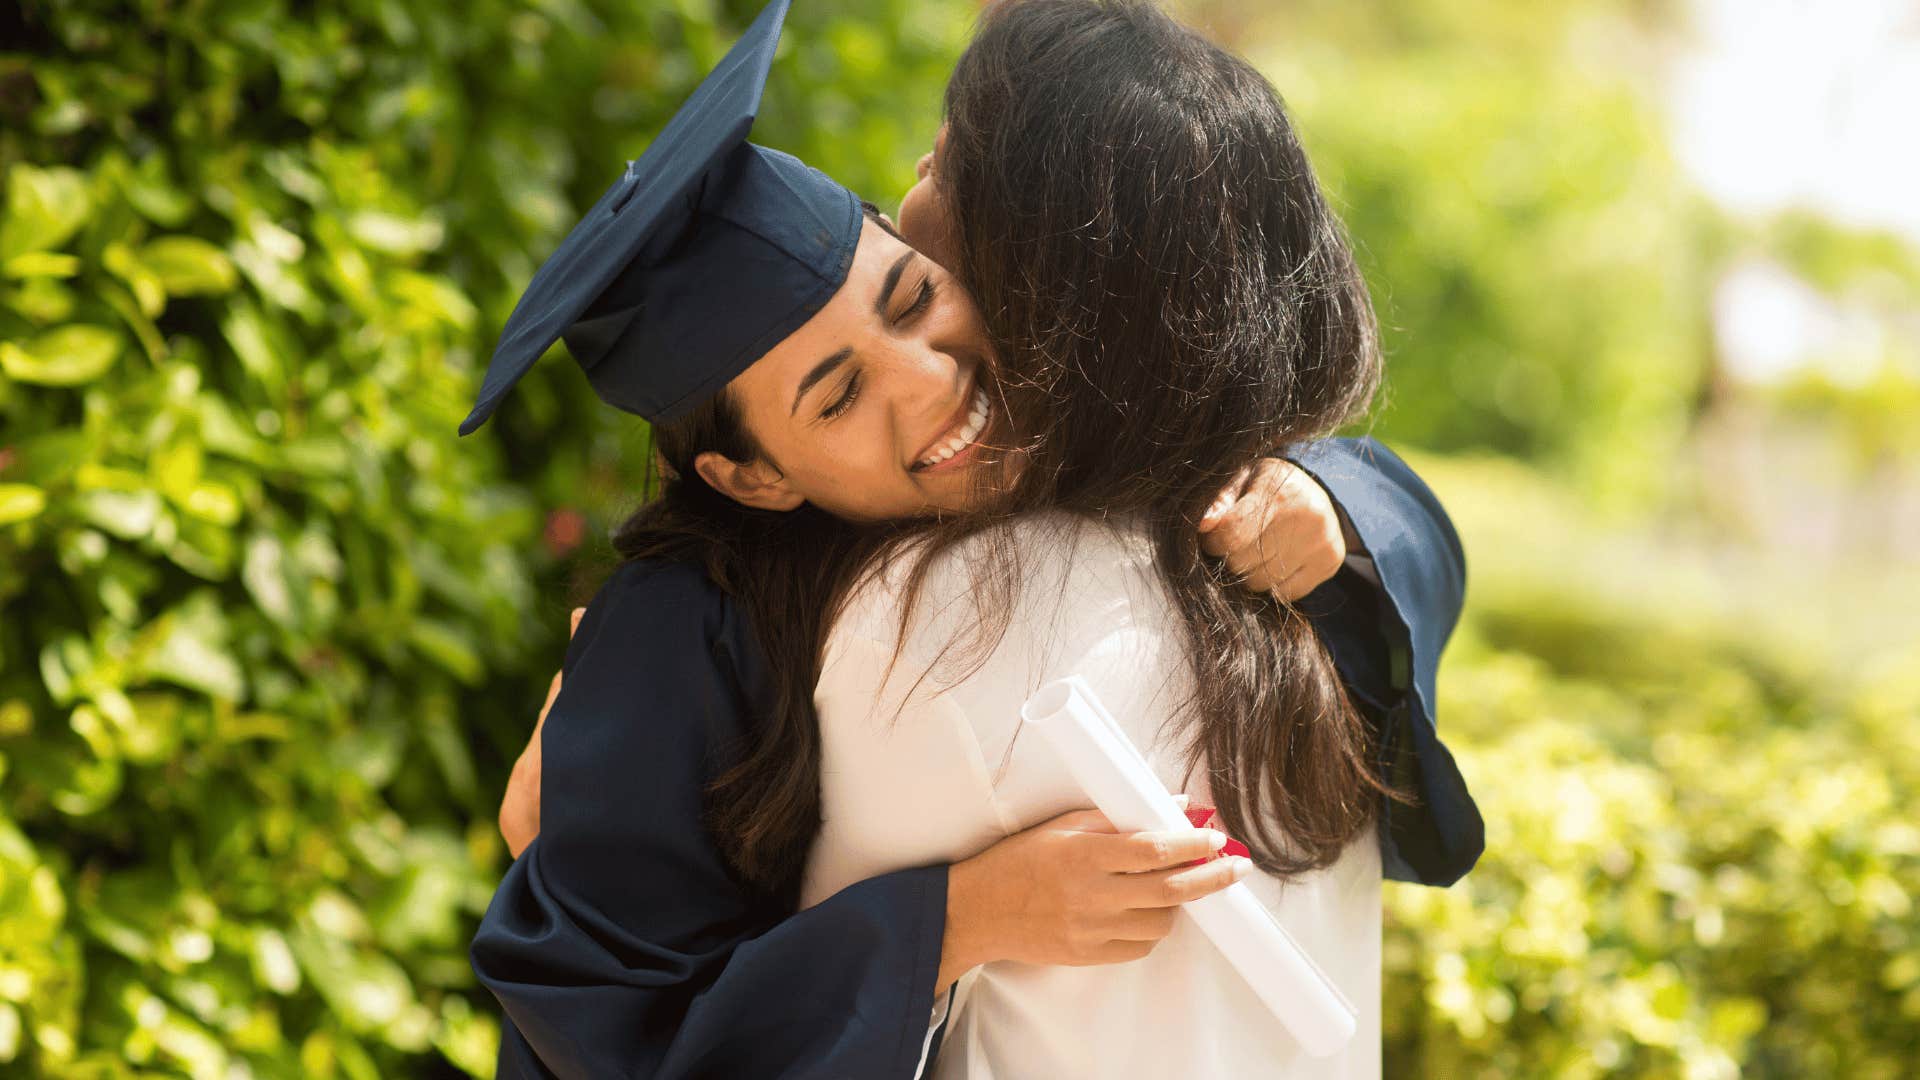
pixel 270 635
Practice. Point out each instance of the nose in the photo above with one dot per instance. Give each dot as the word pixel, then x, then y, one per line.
pixel 924 166
pixel 925 387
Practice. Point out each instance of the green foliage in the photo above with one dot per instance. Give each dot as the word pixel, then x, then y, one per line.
pixel 267 632
pixel 1536 257
pixel 1701 854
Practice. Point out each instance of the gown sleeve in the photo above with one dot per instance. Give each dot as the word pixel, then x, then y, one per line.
pixel 1387 641
pixel 621 945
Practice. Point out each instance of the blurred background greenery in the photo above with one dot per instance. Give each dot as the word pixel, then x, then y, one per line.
pixel 270 636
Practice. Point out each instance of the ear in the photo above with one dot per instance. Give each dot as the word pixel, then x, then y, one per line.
pixel 755 484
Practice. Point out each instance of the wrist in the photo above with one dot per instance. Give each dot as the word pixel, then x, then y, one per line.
pixel 963 945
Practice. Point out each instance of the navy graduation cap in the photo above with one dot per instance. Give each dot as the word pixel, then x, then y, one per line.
pixel 705 254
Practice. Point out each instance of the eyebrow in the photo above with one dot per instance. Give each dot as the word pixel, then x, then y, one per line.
pixel 826 367
pixel 893 278
pixel 820 371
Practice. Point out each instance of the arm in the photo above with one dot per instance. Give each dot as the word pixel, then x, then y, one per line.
pixel 620 944
pixel 1387 640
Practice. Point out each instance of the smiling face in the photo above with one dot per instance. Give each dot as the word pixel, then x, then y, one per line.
pixel 875 408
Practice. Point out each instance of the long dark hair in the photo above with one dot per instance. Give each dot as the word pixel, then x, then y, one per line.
pixel 1170 298
pixel 788 571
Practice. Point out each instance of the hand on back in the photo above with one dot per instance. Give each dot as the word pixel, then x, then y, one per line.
pixel 1274 525
pixel 1277 528
pixel 1073 891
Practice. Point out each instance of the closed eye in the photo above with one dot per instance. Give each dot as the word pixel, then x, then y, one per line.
pixel 920 301
pixel 846 399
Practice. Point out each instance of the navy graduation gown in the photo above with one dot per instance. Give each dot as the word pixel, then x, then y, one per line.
pixel 620 945
pixel 1387 644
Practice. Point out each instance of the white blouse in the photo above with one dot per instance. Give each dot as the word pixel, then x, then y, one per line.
pixel 923 761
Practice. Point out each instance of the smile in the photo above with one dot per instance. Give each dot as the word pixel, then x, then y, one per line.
pixel 961 436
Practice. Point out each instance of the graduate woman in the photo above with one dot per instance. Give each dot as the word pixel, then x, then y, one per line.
pixel 629 939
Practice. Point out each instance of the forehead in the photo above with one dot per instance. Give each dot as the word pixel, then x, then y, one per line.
pixel 843 322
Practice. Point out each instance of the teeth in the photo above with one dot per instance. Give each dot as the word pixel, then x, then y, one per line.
pixel 976 423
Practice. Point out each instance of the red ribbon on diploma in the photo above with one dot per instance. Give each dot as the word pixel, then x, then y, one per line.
pixel 1199 816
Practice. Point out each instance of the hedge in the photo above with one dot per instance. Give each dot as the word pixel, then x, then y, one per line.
pixel 269 633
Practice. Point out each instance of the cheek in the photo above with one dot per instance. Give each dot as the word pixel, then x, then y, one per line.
pixel 841 461
pixel 925 224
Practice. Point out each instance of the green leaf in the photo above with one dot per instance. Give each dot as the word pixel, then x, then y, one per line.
pixel 253 341
pixel 129 515
pixel 189 266
pixel 147 290
pixel 9 1032
pixel 41 264
pixel 273 964
pixel 449 647
pixel 42 300
pixel 69 356
pixel 150 193
pixel 264 573
pixel 189 648
pixel 213 501
pixel 44 208
pixel 20 502
pixel 394 234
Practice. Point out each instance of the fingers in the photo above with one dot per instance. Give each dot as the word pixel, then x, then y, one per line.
pixel 553 691
pixel 520 807
pixel 1141 851
pixel 1173 887
pixel 1224 501
pixel 1145 924
pixel 1282 536
pixel 1237 528
pixel 1301 581
pixel 553 688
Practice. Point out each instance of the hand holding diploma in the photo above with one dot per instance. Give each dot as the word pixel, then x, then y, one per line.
pixel 1112 773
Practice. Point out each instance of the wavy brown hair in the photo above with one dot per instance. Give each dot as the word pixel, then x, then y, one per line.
pixel 1170 298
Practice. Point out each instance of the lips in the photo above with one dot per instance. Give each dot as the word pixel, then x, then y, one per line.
pixel 960 436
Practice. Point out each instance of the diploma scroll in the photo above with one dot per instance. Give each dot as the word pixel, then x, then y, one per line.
pixel 1118 780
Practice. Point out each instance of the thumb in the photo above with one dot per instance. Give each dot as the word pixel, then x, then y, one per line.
pixel 1224 501
pixel 575 624
pixel 1218 510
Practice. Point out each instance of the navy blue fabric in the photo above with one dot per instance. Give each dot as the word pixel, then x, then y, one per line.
pixel 620 945
pixel 703 255
pixel 1423 577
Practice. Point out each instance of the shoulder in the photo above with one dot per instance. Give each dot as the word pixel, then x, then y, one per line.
pixel 663 634
pixel 657 585
pixel 1031 567
pixel 651 601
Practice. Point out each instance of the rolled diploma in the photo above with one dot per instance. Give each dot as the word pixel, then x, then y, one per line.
pixel 1118 780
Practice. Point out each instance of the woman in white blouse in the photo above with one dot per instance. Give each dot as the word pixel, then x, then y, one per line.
pixel 1198 305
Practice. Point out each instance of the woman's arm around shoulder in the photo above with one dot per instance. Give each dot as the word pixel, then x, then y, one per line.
pixel 1420 581
pixel 620 943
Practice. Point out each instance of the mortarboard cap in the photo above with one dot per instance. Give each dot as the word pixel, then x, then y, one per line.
pixel 706 253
